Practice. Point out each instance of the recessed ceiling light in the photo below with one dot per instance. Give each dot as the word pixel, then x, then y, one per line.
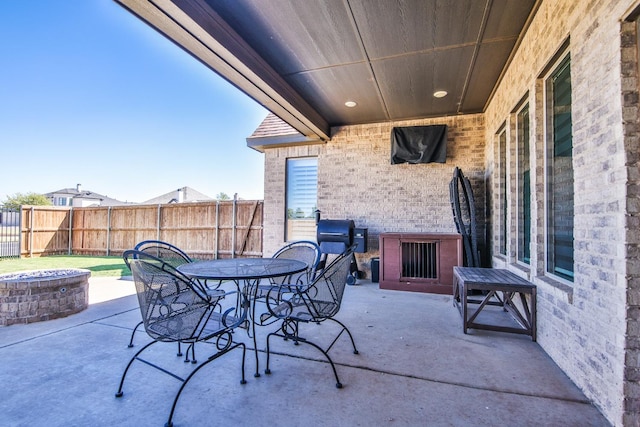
pixel 440 93
pixel 350 104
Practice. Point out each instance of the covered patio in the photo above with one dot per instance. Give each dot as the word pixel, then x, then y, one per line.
pixel 415 367
pixel 540 98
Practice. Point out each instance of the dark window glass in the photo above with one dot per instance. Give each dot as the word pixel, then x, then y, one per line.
pixel 524 187
pixel 560 173
pixel 502 170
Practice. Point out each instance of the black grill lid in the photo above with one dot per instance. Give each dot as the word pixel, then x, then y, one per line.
pixel 335 235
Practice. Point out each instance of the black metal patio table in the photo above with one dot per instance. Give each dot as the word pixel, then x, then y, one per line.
pixel 246 273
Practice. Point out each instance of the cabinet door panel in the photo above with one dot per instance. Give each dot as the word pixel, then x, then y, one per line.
pixel 390 259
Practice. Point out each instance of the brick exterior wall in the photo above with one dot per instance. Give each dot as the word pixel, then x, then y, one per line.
pixel 591 326
pixel 630 87
pixel 356 180
pixel 581 325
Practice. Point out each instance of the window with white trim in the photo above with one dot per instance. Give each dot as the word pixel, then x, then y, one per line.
pixel 301 198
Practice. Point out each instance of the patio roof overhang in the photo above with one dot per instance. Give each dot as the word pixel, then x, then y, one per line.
pixel 304 60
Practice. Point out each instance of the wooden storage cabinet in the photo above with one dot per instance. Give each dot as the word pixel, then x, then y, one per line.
pixel 419 262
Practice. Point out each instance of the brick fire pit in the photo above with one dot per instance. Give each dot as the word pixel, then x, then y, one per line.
pixel 34 296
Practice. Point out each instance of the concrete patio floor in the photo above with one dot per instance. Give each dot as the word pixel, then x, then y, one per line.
pixel 415 368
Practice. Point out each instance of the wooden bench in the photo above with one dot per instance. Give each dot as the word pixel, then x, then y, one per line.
pixel 499 287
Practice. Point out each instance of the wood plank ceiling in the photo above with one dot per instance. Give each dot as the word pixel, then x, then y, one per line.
pixel 387 56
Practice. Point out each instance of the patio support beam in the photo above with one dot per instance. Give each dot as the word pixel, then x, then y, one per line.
pixel 200 31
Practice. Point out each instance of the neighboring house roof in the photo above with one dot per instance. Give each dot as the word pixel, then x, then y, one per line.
pixel 275 132
pixel 181 195
pixel 78 193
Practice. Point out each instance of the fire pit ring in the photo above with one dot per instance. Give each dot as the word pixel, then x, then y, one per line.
pixel 38 295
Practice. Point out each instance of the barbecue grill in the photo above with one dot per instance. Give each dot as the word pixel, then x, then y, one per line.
pixel 334 237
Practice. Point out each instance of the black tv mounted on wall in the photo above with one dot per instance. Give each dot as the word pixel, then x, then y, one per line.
pixel 419 144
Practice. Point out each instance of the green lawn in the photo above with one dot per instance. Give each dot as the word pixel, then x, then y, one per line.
pixel 100 266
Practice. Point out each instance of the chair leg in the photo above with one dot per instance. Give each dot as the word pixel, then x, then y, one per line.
pixel 289 328
pixel 344 328
pixel 192 348
pixel 266 369
pixel 133 333
pixel 169 422
pixel 333 366
pixel 119 393
pixel 292 333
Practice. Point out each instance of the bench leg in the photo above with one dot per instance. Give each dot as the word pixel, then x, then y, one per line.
pixel 463 301
pixel 534 310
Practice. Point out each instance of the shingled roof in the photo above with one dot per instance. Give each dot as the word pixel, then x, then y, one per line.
pixel 275 132
pixel 181 195
pixel 87 196
pixel 273 125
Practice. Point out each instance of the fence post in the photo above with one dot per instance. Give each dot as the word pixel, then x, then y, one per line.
pixel 233 225
pixel 31 232
pixel 20 233
pixel 69 251
pixel 108 230
pixel 158 223
pixel 215 254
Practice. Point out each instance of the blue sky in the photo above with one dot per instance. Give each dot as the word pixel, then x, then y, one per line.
pixel 90 94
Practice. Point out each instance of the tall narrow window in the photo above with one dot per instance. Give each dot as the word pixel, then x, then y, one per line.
pixel 559 207
pixel 302 192
pixel 502 182
pixel 524 187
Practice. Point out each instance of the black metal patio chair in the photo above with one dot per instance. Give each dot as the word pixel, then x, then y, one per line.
pixel 175 308
pixel 170 254
pixel 301 250
pixel 312 304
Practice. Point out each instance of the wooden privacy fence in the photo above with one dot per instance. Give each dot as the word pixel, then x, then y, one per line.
pixel 205 230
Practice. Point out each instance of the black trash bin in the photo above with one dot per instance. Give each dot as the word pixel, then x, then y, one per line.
pixel 375 270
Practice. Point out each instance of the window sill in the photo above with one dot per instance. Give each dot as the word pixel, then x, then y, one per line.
pixel 524 268
pixel 559 289
pixel 499 261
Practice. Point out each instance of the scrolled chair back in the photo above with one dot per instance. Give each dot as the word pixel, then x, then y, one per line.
pixel 302 250
pixel 318 301
pixel 167 252
pixel 173 307
pixel 324 295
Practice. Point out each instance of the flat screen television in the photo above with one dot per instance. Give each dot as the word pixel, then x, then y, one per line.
pixel 419 144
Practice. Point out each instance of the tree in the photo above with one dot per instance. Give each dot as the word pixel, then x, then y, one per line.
pixel 19 199
pixel 222 196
